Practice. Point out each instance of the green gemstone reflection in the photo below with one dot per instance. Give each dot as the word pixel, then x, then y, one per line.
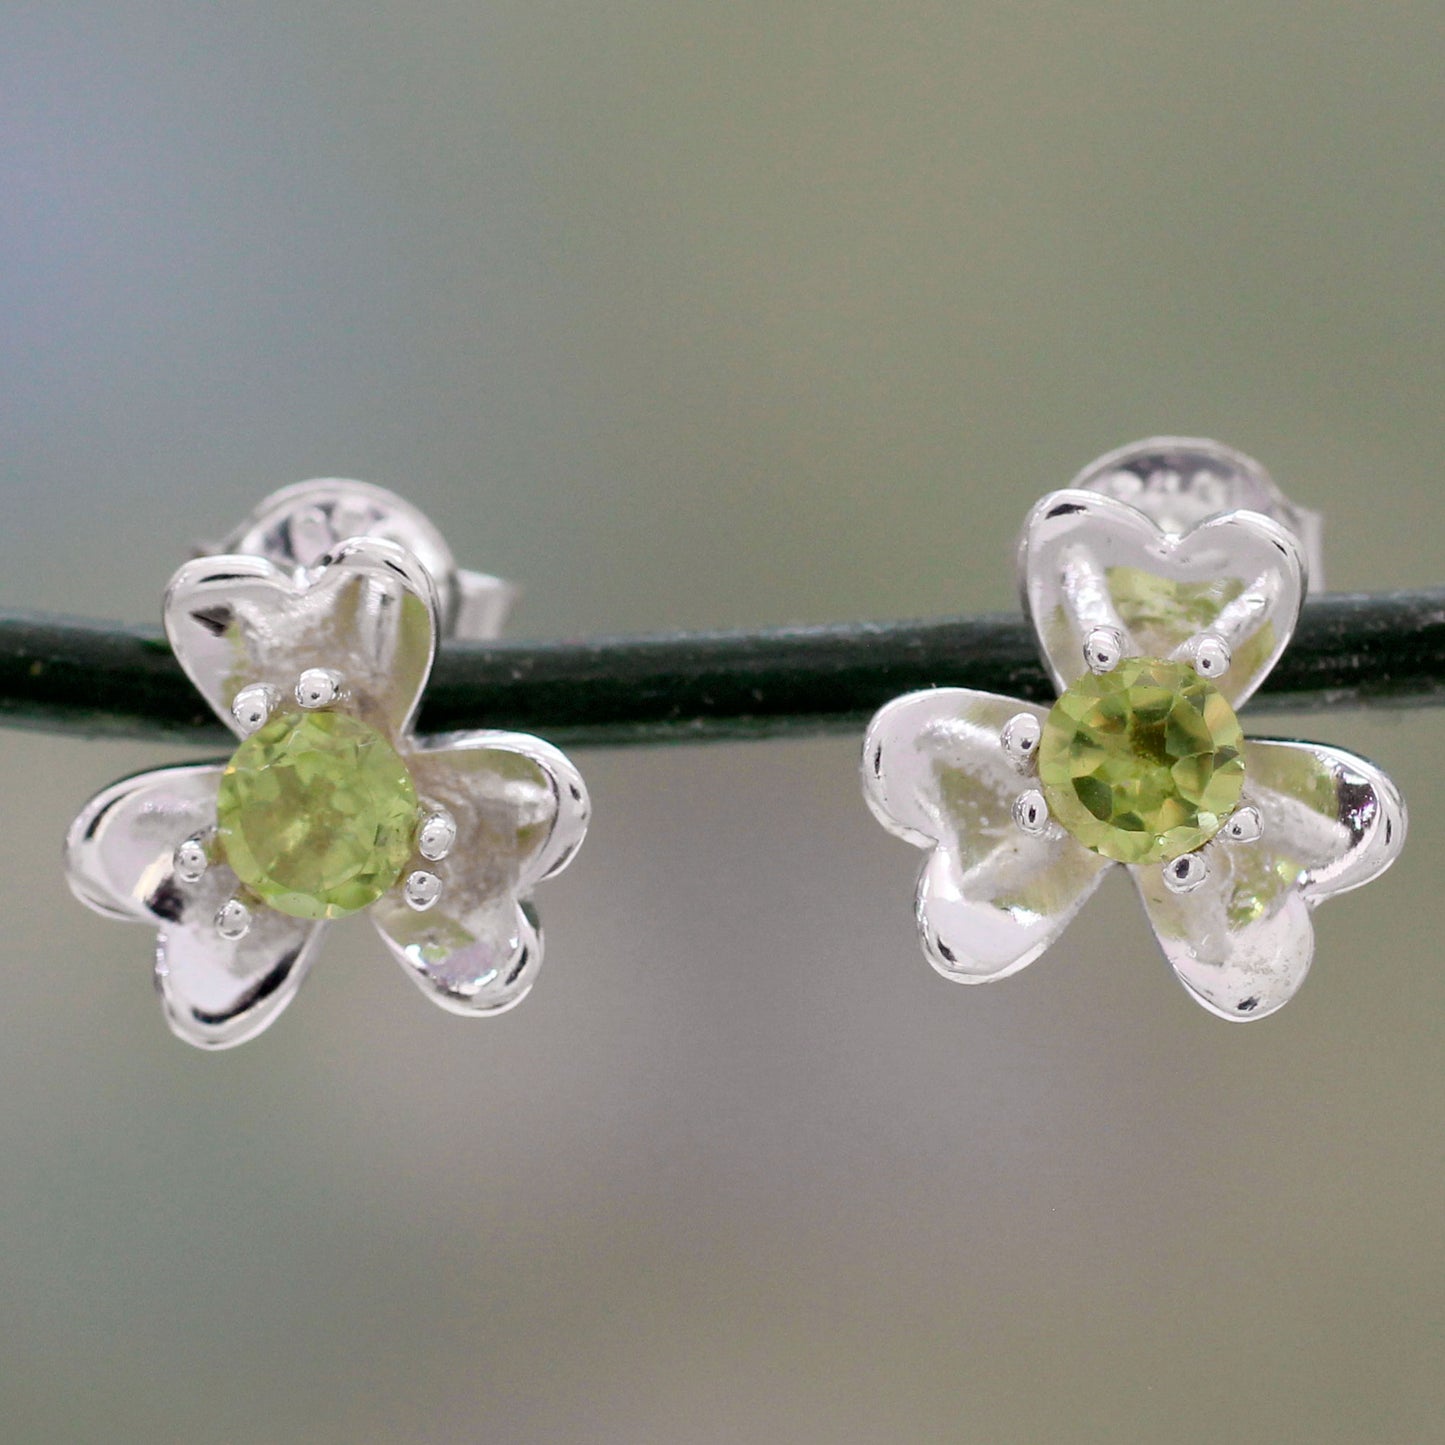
pixel 316 813
pixel 1143 763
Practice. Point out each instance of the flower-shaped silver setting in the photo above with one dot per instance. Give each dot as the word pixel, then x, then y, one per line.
pixel 311 617
pixel 1169 549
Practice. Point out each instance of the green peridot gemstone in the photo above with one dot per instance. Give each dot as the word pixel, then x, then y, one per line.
pixel 316 814
pixel 1143 763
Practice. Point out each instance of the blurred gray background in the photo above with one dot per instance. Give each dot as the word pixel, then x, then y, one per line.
pixel 700 315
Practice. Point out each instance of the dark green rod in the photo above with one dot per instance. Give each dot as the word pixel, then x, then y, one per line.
pixel 68 675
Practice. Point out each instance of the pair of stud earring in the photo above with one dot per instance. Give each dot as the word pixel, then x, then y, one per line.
pixel 1163 586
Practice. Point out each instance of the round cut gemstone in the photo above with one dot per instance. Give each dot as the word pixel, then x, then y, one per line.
pixel 1142 763
pixel 316 813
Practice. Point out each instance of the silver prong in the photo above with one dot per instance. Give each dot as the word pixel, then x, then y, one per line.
pixel 1185 873
pixel 1240 619
pixel 1244 825
pixel 1211 656
pixel 191 860
pixel 1104 649
pixel 1211 653
pixel 1020 739
pixel 318 687
pixel 1089 601
pixel 422 889
pixel 436 835
pixel 1031 812
pixel 253 705
pixel 233 920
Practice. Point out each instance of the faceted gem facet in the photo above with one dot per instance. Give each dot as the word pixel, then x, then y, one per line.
pixel 316 814
pixel 1142 763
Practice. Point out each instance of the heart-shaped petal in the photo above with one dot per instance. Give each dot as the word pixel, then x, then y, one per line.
pixel 368 612
pixel 119 850
pixel 521 812
pixel 1089 560
pixel 119 861
pixel 218 993
pixel 991 897
pixel 1242 942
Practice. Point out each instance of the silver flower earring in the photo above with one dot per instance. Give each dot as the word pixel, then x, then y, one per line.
pixel 311 634
pixel 1163 585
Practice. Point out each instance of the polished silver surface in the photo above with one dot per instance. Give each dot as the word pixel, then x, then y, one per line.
pixel 1085 584
pixel 119 856
pixel 1211 657
pixel 1185 873
pixel 120 851
pixel 437 834
pixel 1031 812
pixel 191 860
pixel 318 687
pixel 300 525
pixel 1193 579
pixel 1104 648
pixel 355 620
pixel 421 889
pixel 521 812
pixel 1242 943
pixel 991 897
pixel 233 920
pixel 1243 825
pixel 1180 482
pixel 236 622
pixel 252 706
pixel 1020 740
pixel 1167 587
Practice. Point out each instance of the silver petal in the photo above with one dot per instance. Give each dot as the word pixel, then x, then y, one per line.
pixel 119 849
pixel 1088 560
pixel 368 612
pixel 521 811
pixel 218 993
pixel 1242 942
pixel 118 857
pixel 991 897
pixel 299 525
